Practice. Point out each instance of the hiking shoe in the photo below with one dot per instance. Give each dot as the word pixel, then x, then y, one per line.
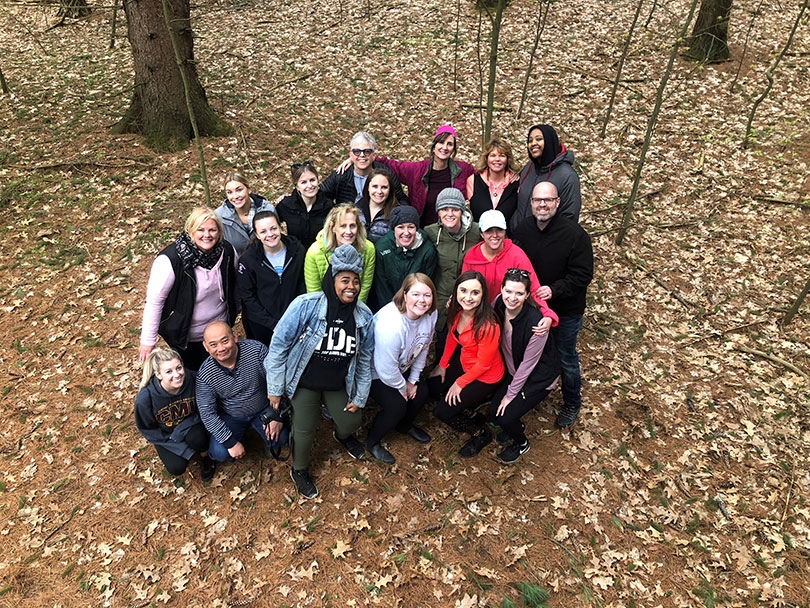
pixel 353 447
pixel 476 443
pixel 513 451
pixel 417 434
pixel 381 454
pixel 207 469
pixel 566 417
pixel 303 483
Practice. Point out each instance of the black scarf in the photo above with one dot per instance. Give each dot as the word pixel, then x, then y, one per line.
pixel 551 147
pixel 335 309
pixel 192 256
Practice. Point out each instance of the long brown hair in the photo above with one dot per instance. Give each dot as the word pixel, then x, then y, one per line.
pixel 484 317
pixel 390 200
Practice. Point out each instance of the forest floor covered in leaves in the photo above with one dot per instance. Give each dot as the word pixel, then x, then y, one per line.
pixel 684 483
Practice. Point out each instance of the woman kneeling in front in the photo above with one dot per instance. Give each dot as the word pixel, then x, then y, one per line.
pixel 403 330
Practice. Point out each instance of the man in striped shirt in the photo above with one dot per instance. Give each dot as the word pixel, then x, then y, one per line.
pixel 232 392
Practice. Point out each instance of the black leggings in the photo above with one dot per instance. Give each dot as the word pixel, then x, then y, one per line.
pixel 395 411
pixel 509 421
pixel 459 417
pixel 196 438
pixel 194 355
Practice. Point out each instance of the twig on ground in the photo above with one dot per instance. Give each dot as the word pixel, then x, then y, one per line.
pixel 787 499
pixel 718 334
pixel 779 201
pixel 774 359
pixel 286 82
pixel 673 292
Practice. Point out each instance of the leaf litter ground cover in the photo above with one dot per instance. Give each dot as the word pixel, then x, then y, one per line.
pixel 686 479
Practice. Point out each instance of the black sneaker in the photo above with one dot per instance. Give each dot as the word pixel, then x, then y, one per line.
pixel 503 437
pixel 381 454
pixel 303 483
pixel 207 469
pixel 513 452
pixel 476 443
pixel 567 416
pixel 353 447
pixel 417 434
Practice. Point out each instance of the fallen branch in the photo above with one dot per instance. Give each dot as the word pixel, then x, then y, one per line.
pixel 286 82
pixel 79 163
pixel 475 106
pixel 773 359
pixel 787 499
pixel 717 334
pixel 779 201
pixel 673 292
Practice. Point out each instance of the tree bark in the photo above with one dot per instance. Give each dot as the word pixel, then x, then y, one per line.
pixel 709 40
pixel 493 62
pixel 158 110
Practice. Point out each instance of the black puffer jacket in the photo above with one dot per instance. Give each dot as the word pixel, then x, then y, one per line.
pixel 175 317
pixel 265 295
pixel 302 224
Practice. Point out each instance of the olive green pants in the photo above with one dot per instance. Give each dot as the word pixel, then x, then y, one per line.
pixel 306 408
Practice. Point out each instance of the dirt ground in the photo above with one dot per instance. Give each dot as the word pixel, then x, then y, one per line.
pixel 686 479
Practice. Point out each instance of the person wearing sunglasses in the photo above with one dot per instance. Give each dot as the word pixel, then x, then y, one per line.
pixel 304 211
pixel 343 186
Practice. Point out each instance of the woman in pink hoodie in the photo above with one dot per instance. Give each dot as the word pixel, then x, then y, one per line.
pixel 496 254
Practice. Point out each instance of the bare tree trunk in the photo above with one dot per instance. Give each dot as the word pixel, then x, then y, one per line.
pixel 158 110
pixel 179 59
pixel 709 40
pixel 73 9
pixel 650 16
pixel 541 25
pixel 745 45
pixel 769 74
pixel 797 304
pixel 628 209
pixel 3 84
pixel 493 62
pixel 480 79
pixel 114 21
pixel 626 48
pixel 455 41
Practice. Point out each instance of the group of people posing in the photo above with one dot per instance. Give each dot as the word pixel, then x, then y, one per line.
pixel 344 285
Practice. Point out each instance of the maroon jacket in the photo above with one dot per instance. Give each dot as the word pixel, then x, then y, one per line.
pixel 416 175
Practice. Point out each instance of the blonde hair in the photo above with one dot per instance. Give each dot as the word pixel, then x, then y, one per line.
pixel 153 361
pixel 235 176
pixel 336 215
pixel 409 281
pixel 200 215
pixel 496 143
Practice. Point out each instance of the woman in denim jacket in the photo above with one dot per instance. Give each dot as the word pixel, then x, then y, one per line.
pixel 321 353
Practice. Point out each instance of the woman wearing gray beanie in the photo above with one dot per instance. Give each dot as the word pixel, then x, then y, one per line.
pixel 321 353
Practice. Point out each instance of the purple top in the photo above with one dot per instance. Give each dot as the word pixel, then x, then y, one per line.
pixel 520 373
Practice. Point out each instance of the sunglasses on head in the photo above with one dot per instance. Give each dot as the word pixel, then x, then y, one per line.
pixel 306 163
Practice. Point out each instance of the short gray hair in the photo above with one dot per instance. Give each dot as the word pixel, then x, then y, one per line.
pixel 363 136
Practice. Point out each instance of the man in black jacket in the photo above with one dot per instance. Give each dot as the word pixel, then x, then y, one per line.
pixel 347 187
pixel 561 254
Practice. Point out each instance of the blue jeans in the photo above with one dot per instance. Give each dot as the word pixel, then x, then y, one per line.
pixel 238 426
pixel 565 337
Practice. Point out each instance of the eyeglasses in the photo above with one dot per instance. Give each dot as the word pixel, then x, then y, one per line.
pixel 306 163
pixel 546 200
pixel 362 151
pixel 519 272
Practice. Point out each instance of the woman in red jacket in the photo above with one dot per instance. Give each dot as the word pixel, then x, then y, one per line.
pixel 471 366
